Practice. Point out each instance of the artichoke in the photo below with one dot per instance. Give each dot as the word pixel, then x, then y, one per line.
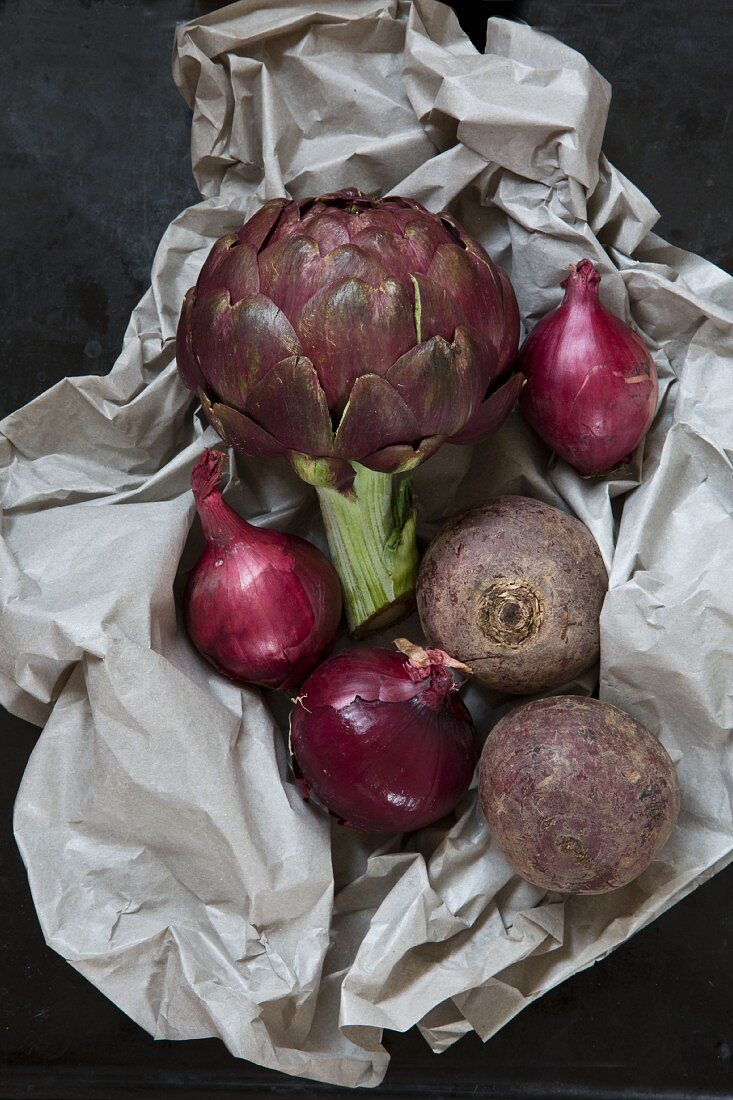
pixel 353 336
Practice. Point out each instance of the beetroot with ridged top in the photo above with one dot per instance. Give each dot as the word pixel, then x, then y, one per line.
pixel 514 588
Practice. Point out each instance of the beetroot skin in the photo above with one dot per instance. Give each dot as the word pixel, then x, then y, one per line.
pixel 578 795
pixel 514 589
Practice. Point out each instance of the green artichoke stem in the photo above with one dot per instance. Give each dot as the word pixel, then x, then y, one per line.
pixel 371 536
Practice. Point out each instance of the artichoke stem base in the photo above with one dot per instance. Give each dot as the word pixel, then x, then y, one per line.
pixel 371 536
pixel 386 617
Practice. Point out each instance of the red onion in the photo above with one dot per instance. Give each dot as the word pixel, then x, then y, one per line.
pixel 260 605
pixel 591 390
pixel 382 739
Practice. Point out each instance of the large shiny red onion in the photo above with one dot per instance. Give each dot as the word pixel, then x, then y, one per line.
pixel 382 739
pixel 591 390
pixel 260 605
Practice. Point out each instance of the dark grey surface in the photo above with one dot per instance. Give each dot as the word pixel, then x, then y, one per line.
pixel 93 164
pixel 669 128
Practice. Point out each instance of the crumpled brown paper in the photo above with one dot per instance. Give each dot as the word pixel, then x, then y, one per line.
pixel 171 858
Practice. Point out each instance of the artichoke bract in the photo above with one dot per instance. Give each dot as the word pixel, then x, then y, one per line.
pixel 353 336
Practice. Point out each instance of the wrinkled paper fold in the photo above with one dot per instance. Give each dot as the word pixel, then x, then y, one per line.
pixel 171 859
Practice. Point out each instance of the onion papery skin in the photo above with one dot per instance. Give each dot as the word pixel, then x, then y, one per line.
pixel 591 391
pixel 385 744
pixel 261 606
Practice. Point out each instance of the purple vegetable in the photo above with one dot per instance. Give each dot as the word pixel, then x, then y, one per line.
pixel 261 606
pixel 352 336
pixel 515 589
pixel 591 390
pixel 578 795
pixel 382 739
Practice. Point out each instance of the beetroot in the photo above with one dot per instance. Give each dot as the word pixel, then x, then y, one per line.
pixel 514 589
pixel 579 796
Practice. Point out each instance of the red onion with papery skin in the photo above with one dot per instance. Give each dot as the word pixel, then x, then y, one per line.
pixel 591 390
pixel 261 606
pixel 382 739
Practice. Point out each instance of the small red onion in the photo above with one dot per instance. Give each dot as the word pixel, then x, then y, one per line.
pixel 382 739
pixel 261 606
pixel 591 390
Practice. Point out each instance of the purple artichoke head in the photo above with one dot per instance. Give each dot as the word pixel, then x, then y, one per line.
pixel 346 329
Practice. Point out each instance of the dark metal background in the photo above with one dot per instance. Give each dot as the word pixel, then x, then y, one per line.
pixel 94 163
